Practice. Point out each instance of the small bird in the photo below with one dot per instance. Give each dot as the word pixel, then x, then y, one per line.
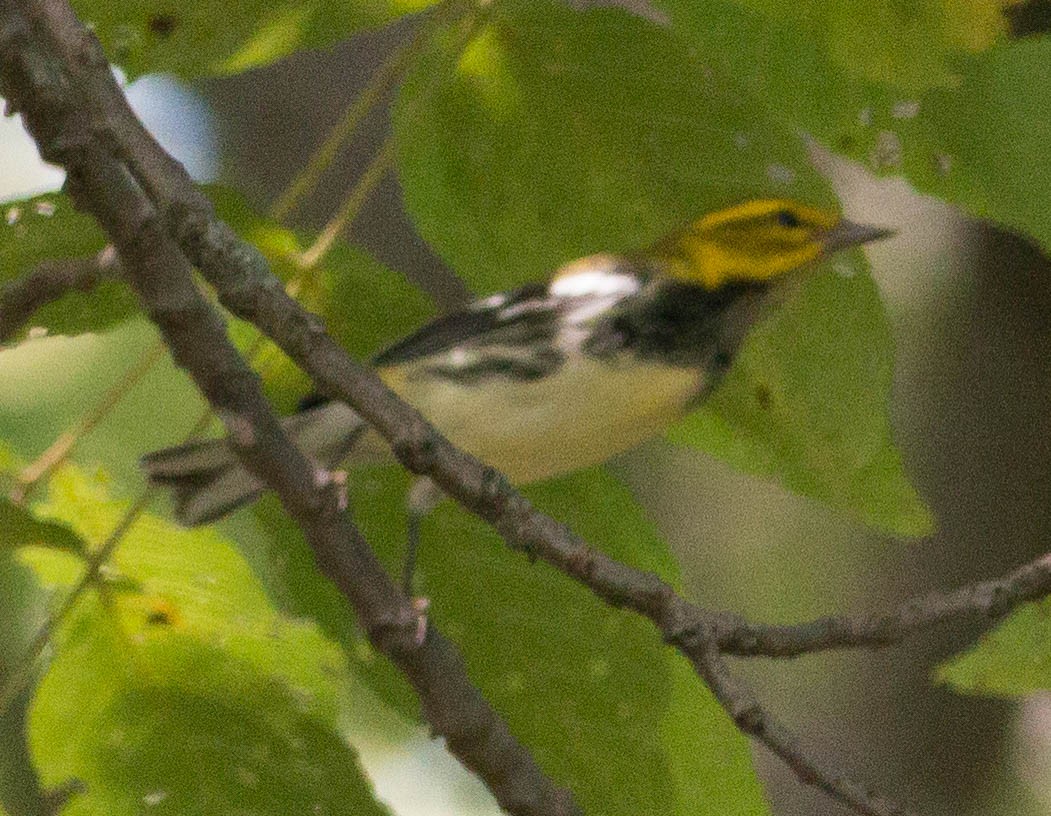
pixel 557 376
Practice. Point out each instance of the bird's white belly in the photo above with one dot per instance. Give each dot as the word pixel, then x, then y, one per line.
pixel 582 415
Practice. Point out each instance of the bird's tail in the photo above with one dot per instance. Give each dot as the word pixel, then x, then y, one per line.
pixel 207 479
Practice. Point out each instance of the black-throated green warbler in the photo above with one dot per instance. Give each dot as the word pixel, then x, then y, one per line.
pixel 554 377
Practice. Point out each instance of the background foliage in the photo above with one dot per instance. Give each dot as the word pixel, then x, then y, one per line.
pixel 553 133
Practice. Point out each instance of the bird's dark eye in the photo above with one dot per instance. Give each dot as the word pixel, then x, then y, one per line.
pixel 787 219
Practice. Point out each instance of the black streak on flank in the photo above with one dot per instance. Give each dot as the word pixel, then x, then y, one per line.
pixel 537 365
pixel 507 321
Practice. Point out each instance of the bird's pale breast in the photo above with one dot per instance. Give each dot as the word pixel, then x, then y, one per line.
pixel 586 412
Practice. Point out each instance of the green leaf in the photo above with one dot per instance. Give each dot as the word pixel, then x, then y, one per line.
pixel 23 605
pixel 911 46
pixel 606 708
pixel 806 403
pixel 784 67
pixel 982 145
pixel 365 305
pixel 286 566
pixel 1011 661
pixel 156 36
pixel 708 761
pixel 47 228
pixel 183 665
pixel 560 133
pixel 176 725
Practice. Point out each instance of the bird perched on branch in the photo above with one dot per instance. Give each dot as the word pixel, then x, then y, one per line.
pixel 558 376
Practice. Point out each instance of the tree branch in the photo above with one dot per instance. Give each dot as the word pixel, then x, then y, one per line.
pixel 990 599
pixel 752 718
pixel 44 55
pixel 22 297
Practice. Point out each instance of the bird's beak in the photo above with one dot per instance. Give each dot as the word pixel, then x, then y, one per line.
pixel 847 234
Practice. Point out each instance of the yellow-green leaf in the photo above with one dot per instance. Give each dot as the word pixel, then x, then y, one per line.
pixel 183 665
pixel 1011 661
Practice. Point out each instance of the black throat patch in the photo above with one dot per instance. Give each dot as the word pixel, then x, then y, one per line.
pixel 682 325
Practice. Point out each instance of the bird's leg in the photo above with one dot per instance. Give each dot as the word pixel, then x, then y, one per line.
pixel 423 497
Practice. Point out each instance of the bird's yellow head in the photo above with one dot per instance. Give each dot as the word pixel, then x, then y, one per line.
pixel 758 241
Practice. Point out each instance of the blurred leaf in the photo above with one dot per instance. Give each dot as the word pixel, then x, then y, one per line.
pixel 19 528
pixel 197 584
pixel 189 669
pixel 365 305
pixel 10 464
pixel 783 66
pixel 186 39
pixel 911 46
pixel 1012 660
pixel 983 145
pixel 46 228
pixel 561 133
pixel 696 735
pixel 53 569
pixel 807 403
pixel 605 707
pixel 23 604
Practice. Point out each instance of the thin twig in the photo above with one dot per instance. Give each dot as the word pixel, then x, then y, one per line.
pixel 389 73
pixel 753 719
pixel 383 161
pixel 22 672
pixel 348 211
pixel 19 299
pixel 59 450
pixel 988 599
pixel 22 297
